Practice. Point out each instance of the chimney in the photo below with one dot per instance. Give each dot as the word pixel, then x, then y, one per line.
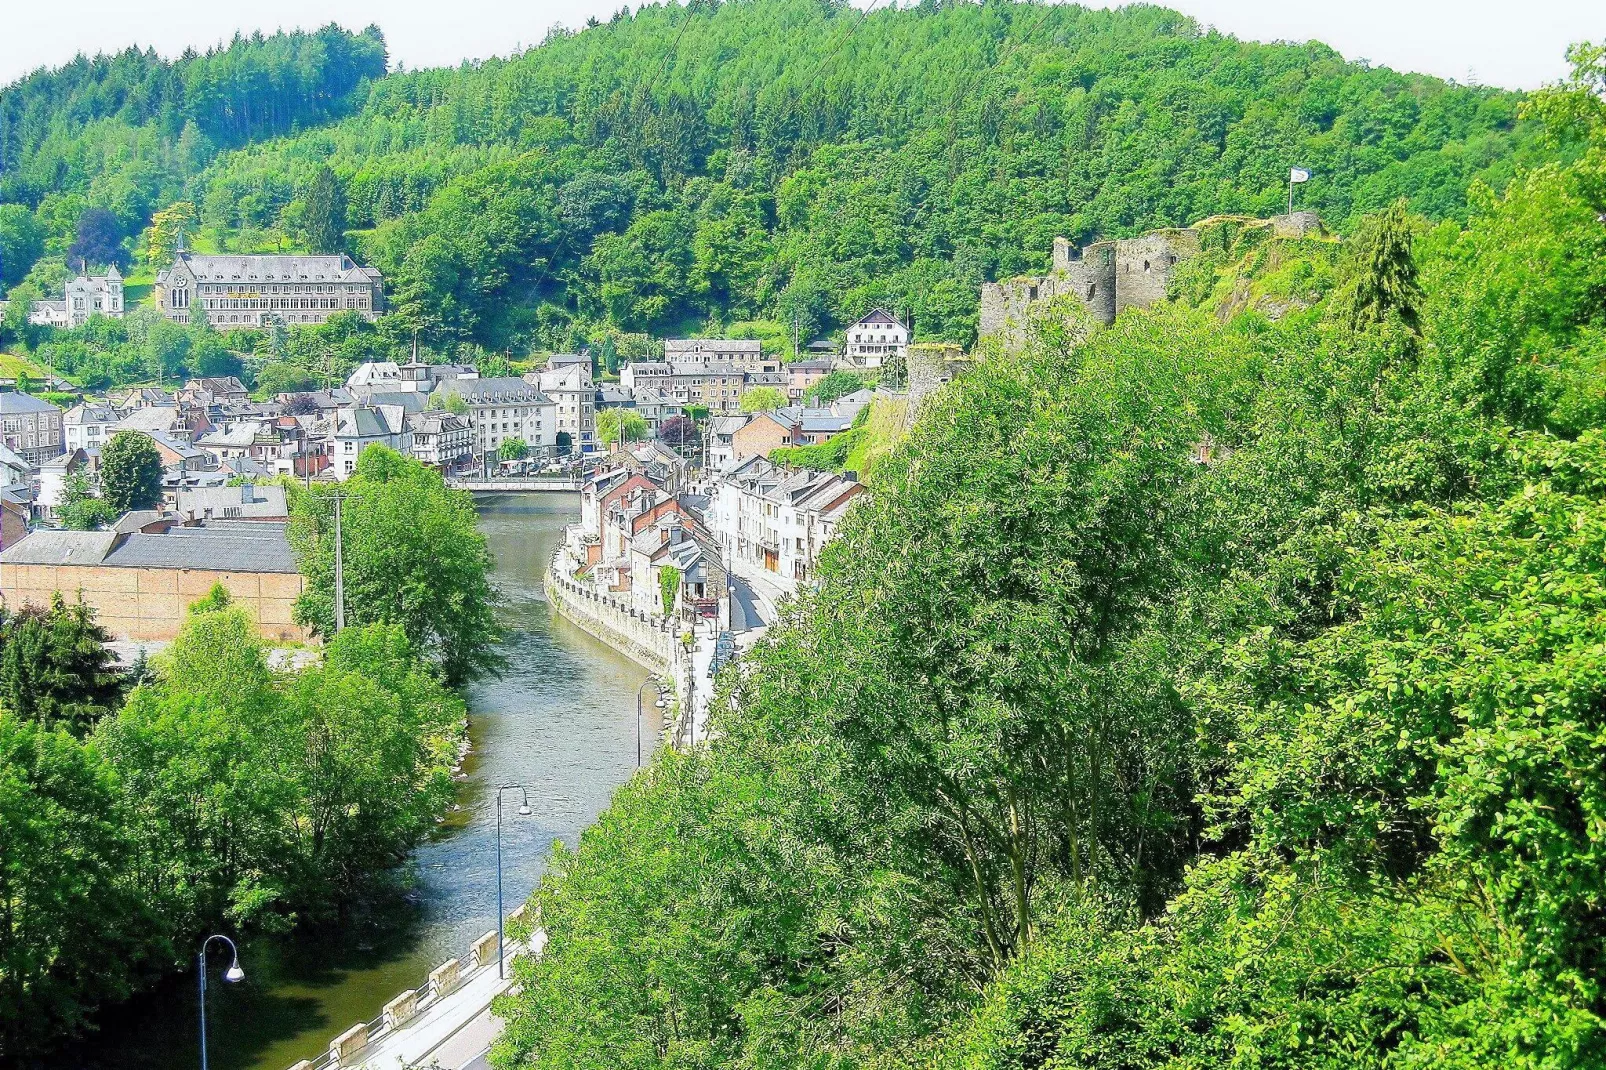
pixel 248 492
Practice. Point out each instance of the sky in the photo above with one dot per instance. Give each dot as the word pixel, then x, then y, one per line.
pixel 1518 44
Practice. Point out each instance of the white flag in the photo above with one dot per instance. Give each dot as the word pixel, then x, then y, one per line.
pixel 1298 174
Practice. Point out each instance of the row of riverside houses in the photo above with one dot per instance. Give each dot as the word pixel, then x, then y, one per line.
pixel 778 519
pixel 638 519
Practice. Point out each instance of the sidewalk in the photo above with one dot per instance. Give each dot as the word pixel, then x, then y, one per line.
pixel 452 1031
pixel 769 589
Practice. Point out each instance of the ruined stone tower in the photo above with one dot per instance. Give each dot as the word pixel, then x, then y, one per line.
pixel 1108 276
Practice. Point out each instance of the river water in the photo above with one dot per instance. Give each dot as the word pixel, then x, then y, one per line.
pixel 561 720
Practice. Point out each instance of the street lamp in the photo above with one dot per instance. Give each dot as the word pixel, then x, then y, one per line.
pixel 232 975
pixel 524 811
pixel 653 681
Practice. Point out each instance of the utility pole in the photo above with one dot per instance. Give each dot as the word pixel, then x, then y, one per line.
pixel 340 569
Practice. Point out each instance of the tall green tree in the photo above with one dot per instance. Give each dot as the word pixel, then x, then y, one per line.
pixel 130 473
pixel 323 223
pixel 1383 272
pixel 762 398
pixel 413 557
pixel 73 933
pixel 55 667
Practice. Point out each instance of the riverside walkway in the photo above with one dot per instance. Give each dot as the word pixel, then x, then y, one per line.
pixel 445 1023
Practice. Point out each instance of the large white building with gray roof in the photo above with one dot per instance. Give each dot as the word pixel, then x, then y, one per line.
pixel 506 408
pixel 256 291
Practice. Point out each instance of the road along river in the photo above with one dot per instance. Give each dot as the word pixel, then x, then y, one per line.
pixel 561 721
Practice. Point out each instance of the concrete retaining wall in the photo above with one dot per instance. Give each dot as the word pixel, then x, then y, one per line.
pixel 633 634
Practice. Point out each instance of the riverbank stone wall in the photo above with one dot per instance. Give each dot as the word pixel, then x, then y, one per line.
pixel 637 637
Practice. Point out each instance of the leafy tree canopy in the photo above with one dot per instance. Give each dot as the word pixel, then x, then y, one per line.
pixel 413 558
pixel 130 473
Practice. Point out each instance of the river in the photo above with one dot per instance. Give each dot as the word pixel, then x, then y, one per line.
pixel 561 720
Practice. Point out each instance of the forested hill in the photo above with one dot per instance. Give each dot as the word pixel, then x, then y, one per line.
pixel 797 160
pixel 124 131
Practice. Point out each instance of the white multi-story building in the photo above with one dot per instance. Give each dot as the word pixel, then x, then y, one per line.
pixel 568 382
pixel 88 425
pixel 257 291
pixel 875 340
pixel 778 519
pixel 506 408
pixel 360 426
pixel 645 375
pixel 442 439
pixel 740 353
pixel 84 296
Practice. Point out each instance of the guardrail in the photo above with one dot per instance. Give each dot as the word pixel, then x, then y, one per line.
pixel 347 1049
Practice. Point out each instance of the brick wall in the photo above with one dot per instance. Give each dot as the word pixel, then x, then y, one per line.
pixel 149 603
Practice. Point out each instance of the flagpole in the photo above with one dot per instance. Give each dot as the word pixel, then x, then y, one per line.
pixel 1290 192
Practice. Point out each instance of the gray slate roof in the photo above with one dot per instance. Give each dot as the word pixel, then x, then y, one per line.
pixel 46 547
pixel 493 391
pixel 12 401
pixel 225 547
pixel 265 500
pixel 222 547
pixel 236 268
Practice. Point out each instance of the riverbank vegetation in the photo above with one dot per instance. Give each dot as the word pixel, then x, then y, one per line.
pixel 413 557
pixel 1222 687
pixel 217 792
pixel 783 163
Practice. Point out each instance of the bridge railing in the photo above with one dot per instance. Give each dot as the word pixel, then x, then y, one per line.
pixel 514 482
pixel 348 1048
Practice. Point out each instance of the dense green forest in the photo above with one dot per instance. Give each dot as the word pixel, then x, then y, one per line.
pixel 762 164
pixel 1224 687
pixel 125 134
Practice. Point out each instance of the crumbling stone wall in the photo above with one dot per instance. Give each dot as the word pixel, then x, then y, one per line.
pixel 1143 266
pixel 933 366
pixel 1109 276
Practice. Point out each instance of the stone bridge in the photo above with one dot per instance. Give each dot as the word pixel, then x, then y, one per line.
pixel 515 484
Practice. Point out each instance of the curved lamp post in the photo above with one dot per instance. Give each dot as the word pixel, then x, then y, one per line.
pixel 653 681
pixel 232 975
pixel 524 811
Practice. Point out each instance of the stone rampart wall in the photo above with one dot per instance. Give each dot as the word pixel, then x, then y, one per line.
pixel 634 634
pixel 1109 276
pixel 1143 266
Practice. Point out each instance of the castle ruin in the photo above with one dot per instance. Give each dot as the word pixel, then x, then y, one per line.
pixel 1108 276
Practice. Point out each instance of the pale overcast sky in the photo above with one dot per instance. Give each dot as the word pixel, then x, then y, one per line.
pixel 1514 43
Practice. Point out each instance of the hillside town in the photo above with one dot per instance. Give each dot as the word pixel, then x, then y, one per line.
pixel 792 534
pixel 682 485
pixel 684 459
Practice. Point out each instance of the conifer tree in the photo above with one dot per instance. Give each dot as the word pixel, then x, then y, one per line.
pixel 55 668
pixel 324 220
pixel 1384 279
